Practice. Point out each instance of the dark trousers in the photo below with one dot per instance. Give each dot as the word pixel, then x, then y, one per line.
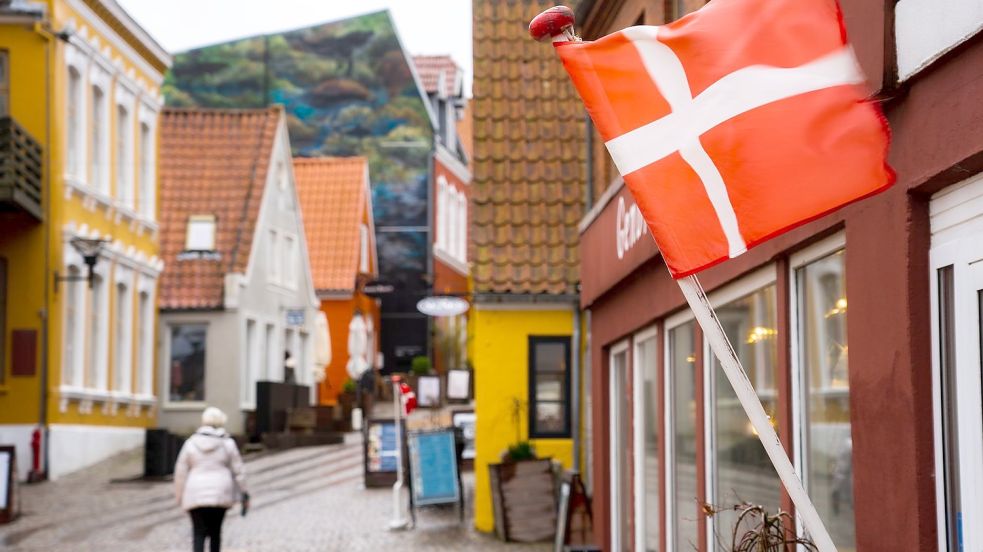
pixel 207 522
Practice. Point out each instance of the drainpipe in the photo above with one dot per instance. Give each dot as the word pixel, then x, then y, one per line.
pixel 575 395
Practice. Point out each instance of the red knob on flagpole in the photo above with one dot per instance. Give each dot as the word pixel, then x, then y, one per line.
pixel 555 23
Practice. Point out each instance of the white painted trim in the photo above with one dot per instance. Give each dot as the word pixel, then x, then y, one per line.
pixel 615 403
pixel 744 286
pixel 100 26
pixel 453 164
pixel 641 517
pixel 818 250
pixel 942 25
pixel 444 257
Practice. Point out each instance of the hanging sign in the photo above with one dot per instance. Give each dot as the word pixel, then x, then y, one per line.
pixel 442 305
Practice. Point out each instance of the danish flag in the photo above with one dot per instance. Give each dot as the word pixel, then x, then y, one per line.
pixel 733 124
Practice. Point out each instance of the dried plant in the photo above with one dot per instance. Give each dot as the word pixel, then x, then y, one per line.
pixel 758 531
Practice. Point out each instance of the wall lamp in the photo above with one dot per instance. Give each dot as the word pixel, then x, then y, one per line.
pixel 89 249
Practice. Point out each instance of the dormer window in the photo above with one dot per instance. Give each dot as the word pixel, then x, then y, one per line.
pixel 201 233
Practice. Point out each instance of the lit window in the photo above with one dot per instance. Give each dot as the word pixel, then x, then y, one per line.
pixel 549 387
pixel 201 233
pixel 187 362
pixel 823 363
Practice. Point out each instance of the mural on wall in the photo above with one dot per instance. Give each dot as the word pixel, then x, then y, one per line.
pixel 347 89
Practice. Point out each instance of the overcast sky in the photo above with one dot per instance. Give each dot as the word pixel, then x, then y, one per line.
pixel 425 26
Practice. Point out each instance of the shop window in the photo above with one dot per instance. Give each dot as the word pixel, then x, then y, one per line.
pixel 827 445
pixel 741 471
pixel 4 83
pixel 549 387
pixel 646 370
pixel 187 362
pixel 681 371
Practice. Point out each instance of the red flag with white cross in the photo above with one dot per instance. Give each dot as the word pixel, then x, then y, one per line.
pixel 733 124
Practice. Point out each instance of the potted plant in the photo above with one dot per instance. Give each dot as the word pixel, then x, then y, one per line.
pixel 758 531
pixel 346 399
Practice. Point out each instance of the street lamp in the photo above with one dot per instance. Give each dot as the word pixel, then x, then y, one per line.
pixel 89 249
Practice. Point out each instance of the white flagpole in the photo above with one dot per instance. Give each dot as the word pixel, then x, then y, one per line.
pixel 724 352
pixel 398 521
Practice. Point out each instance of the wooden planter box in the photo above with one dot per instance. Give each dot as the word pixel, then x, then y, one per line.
pixel 524 500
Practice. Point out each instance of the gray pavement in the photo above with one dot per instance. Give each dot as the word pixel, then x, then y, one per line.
pixel 307 499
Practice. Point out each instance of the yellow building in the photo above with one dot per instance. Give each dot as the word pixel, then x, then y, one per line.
pixel 529 174
pixel 80 81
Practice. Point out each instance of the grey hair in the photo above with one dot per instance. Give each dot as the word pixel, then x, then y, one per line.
pixel 213 417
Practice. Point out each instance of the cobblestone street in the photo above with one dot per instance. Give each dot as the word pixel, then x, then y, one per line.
pixel 306 499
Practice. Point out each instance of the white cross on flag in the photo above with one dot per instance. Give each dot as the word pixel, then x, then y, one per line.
pixel 733 124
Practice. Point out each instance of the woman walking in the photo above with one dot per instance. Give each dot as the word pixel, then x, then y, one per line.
pixel 207 476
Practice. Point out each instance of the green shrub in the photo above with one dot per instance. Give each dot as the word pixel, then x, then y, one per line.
pixel 420 365
pixel 522 450
pixel 348 386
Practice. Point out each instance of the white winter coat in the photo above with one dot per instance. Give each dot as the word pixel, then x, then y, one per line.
pixel 209 470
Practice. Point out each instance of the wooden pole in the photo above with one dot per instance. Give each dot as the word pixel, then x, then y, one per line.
pixel 731 365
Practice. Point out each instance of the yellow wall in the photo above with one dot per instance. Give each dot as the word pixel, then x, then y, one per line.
pixel 500 354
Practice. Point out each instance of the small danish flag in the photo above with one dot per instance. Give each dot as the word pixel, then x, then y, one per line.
pixel 733 124
pixel 408 397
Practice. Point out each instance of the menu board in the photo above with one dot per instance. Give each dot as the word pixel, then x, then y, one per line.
pixel 433 465
pixel 381 454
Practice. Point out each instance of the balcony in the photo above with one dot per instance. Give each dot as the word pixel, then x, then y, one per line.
pixel 20 170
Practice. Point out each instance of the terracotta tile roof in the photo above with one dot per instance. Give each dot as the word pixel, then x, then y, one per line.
pixel 212 162
pixel 429 69
pixel 333 199
pixel 529 157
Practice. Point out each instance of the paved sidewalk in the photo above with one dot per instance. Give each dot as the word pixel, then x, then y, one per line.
pixel 308 499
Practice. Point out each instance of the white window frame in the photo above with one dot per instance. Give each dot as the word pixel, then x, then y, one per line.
pixel 168 328
pixel 273 255
pixel 798 260
pixel 738 289
pixel 76 159
pixel 99 78
pixel 147 171
pixel 638 428
pixel 614 421
pixel 197 229
pixel 123 334
pixel 146 326
pixel 98 337
pixel 290 260
pixel 77 361
pixel 954 227
pixel 672 322
pixel 442 212
pixel 462 229
pixel 125 102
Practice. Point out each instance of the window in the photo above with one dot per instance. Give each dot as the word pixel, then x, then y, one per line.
pixel 145 349
pixel 363 240
pixel 187 362
pixel 549 387
pixel 4 83
pixel 98 316
pixel 645 378
pixel 452 222
pixel 741 470
pixel 74 101
pixel 123 340
pixel 681 371
pixel 273 256
pixel 147 188
pixel 124 157
pixel 621 459
pixel 251 374
pixel 289 261
pixel 827 445
pixel 462 227
pixel 201 233
pixel 73 357
pixel 99 172
pixel 950 406
pixel 442 212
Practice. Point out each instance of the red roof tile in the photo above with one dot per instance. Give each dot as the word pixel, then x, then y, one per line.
pixel 529 157
pixel 333 198
pixel 429 68
pixel 212 162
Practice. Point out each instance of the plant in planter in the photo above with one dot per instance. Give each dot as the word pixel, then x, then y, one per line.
pixel 758 531
pixel 420 366
pixel 346 399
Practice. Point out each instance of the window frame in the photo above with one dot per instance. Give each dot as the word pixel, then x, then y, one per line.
pixel 671 323
pixel 196 221
pixel 614 421
pixel 797 261
pixel 642 519
pixel 534 432
pixel 166 357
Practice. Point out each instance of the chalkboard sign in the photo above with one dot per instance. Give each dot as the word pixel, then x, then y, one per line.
pixel 379 452
pixel 433 465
